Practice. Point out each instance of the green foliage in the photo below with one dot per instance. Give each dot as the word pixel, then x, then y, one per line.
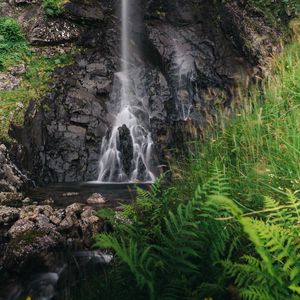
pixel 277 10
pixel 53 8
pixel 34 84
pixel 274 272
pixel 170 259
pixel 13 46
pixel 208 230
pixel 260 147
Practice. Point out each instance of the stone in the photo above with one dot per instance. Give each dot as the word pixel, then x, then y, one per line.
pixel 90 225
pixel 96 198
pixel 8 214
pixel 83 12
pixel 17 69
pixel 8 82
pixel 52 32
pixel 48 201
pixel 11 199
pixel 74 209
pixel 27 201
pixel 125 147
pixel 28 247
pixel 57 217
pixel 19 227
pixel 11 178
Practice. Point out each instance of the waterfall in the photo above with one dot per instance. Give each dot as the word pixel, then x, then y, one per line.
pixel 126 150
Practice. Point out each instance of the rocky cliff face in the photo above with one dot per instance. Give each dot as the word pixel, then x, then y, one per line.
pixel 196 54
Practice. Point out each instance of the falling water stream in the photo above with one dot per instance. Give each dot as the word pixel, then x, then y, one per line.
pixel 132 161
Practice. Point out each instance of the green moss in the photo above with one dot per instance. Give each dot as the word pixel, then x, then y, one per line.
pixel 25 238
pixel 278 11
pixel 35 83
pixel 13 45
pixel 53 8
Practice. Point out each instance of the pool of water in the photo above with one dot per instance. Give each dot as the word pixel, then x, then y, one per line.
pixel 68 193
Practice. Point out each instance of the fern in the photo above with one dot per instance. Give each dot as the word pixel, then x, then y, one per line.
pixel 166 248
pixel 275 273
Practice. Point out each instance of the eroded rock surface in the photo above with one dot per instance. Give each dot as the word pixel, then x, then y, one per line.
pixel 195 54
pixel 11 178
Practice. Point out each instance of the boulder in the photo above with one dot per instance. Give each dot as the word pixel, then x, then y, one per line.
pixel 96 198
pixel 11 199
pixel 84 12
pixel 11 178
pixel 30 248
pixel 8 214
pixel 90 225
pixel 52 32
pixel 20 227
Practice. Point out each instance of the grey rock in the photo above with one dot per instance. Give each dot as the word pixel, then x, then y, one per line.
pixel 8 214
pixel 52 32
pixel 96 198
pixel 11 178
pixel 78 11
pixel 11 199
pixel 20 227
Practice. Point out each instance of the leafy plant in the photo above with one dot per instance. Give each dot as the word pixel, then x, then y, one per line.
pixel 53 8
pixel 277 9
pixel 273 272
pixel 13 45
pixel 34 84
pixel 172 260
pixel 260 146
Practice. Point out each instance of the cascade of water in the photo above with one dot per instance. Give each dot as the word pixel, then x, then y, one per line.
pixel 126 151
pixel 186 72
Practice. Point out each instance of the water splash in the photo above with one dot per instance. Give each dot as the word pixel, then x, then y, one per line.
pixel 186 72
pixel 126 151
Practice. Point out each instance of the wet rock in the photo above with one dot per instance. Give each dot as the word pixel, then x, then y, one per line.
pixel 11 179
pixel 96 198
pixel 90 225
pixel 11 199
pixel 125 147
pixel 30 247
pixel 250 33
pixel 8 214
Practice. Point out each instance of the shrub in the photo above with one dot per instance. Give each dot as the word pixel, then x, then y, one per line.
pixel 13 45
pixel 277 10
pixel 272 272
pixel 173 259
pixel 53 8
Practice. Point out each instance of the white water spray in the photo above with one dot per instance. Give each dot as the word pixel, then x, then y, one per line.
pixel 133 113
